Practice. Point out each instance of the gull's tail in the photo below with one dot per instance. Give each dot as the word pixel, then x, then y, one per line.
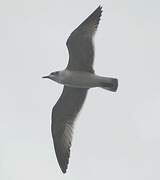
pixel 110 84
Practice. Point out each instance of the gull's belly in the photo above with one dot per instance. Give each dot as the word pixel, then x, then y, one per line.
pixel 80 80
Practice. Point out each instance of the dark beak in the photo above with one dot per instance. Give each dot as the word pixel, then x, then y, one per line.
pixel 45 77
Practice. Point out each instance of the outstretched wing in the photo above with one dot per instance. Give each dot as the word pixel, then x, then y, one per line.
pixel 63 116
pixel 80 45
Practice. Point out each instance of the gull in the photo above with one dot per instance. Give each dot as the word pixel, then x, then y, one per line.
pixel 77 78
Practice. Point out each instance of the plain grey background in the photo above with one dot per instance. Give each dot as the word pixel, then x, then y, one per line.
pixel 124 142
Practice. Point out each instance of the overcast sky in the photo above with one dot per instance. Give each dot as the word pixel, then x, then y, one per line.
pixel 117 135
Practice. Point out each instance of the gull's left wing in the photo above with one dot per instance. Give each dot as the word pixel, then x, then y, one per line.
pixel 80 45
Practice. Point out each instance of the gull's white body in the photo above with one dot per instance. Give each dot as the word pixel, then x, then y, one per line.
pixel 80 79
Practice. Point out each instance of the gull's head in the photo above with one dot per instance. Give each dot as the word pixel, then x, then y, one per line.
pixel 53 76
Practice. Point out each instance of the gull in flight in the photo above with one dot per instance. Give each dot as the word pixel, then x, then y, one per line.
pixel 77 78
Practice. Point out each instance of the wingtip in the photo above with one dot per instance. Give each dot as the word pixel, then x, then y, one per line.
pixel 63 163
pixel 100 7
pixel 100 10
pixel 64 171
pixel 64 168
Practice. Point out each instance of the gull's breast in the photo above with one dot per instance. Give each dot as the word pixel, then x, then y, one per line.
pixel 79 79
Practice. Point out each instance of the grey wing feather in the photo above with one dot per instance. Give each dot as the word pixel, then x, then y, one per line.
pixel 63 116
pixel 80 45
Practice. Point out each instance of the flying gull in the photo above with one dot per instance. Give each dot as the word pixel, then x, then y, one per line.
pixel 77 78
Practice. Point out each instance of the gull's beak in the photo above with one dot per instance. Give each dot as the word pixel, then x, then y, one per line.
pixel 45 77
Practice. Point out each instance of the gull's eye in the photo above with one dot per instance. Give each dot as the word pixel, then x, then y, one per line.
pixel 54 73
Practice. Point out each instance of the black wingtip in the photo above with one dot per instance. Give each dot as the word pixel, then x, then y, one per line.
pixel 64 171
pixel 99 11
pixel 63 166
pixel 100 7
pixel 63 159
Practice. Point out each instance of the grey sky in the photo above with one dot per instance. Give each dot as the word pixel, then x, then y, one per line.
pixel 125 142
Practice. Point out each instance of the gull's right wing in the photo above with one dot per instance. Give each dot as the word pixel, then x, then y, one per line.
pixel 63 116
